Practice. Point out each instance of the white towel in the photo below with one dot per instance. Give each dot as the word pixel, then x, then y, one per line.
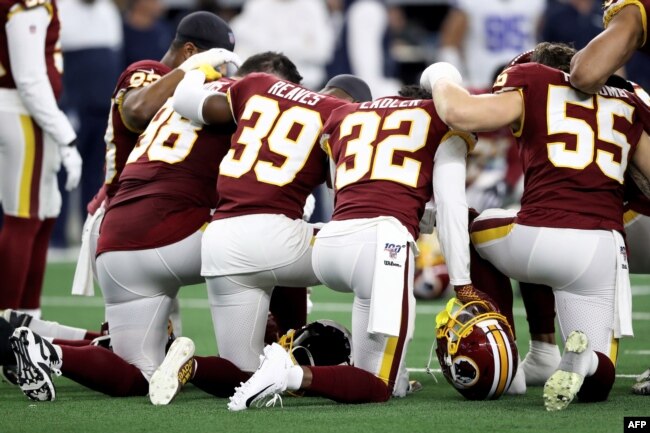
pixel 623 295
pixel 82 284
pixel 388 282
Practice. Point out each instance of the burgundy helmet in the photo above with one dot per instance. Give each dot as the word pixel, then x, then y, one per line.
pixel 476 350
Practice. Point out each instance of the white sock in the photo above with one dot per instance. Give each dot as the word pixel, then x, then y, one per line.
pixel 594 364
pixel 584 363
pixel 46 328
pixel 34 312
pixel 294 378
pixel 543 348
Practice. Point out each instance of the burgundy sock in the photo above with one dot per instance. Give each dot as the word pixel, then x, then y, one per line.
pixel 31 298
pixel 539 303
pixel 598 386
pixel 289 308
pixel 347 384
pixel 91 335
pixel 101 370
pixel 16 244
pixel 74 343
pixel 217 376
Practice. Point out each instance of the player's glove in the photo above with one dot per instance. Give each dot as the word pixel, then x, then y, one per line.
pixel 213 57
pixel 211 74
pixel 469 293
pixel 437 71
pixel 72 163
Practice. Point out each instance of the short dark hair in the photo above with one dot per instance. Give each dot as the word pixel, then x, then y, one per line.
pixel 413 91
pixel 553 54
pixel 272 63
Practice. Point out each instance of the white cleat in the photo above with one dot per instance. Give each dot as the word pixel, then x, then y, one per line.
pixel 642 385
pixel 174 372
pixel 270 379
pixel 36 360
pixel 563 385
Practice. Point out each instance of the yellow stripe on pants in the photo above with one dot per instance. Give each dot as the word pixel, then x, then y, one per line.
pixel 24 197
pixel 488 235
pixel 387 360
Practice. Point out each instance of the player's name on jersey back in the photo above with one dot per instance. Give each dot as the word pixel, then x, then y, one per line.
pixel 293 92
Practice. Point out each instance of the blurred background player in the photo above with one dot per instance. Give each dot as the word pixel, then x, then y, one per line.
pixel 35 139
pixel 362 46
pixel 586 285
pixel 91 42
pixel 479 37
pixel 297 28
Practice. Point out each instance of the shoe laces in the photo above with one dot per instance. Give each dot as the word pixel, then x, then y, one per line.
pixel 270 401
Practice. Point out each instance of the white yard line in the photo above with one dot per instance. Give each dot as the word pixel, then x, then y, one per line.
pixel 202 304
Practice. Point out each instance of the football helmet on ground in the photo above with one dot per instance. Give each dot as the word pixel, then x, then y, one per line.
pixel 476 349
pixel 323 342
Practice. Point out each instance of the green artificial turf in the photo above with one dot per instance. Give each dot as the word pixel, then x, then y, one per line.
pixel 436 408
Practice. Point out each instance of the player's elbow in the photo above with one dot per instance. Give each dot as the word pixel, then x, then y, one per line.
pixel 585 80
pixel 585 75
pixel 455 117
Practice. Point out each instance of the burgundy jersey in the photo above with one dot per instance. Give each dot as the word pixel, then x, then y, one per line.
pixel 383 151
pixel 53 57
pixel 612 7
pixel 119 139
pixel 574 149
pixel 274 161
pixel 168 185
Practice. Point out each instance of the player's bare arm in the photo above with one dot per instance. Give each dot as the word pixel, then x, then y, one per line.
pixel 609 51
pixel 216 109
pixel 460 110
pixel 451 37
pixel 141 104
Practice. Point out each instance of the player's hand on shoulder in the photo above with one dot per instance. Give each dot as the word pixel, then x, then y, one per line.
pixel 210 73
pixel 72 163
pixel 437 71
pixel 213 57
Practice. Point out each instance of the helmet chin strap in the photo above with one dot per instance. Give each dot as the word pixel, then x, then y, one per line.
pixel 429 370
pixel 307 351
